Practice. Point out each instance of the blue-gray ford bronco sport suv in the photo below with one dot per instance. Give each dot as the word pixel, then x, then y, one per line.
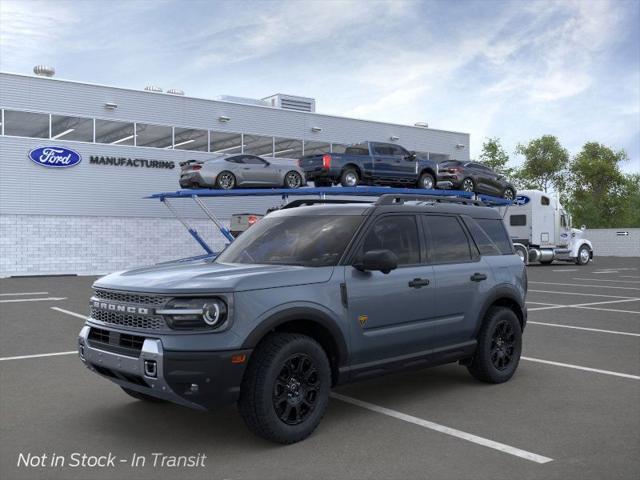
pixel 309 298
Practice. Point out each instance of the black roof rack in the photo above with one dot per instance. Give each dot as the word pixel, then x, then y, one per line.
pixel 392 199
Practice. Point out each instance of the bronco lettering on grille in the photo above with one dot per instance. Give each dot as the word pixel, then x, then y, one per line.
pixel 114 307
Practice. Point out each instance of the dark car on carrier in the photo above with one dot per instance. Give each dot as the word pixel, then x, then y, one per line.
pixel 475 177
pixel 371 163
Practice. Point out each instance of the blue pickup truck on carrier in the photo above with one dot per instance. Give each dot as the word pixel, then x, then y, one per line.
pixel 371 163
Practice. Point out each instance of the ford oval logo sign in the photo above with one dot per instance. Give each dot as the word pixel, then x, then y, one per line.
pixel 521 200
pixel 55 157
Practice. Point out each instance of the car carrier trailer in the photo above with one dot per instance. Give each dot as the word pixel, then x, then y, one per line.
pixel 321 193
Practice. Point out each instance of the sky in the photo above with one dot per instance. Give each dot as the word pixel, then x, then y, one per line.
pixel 509 69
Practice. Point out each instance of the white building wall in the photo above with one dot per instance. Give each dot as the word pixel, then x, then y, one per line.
pixel 608 242
pixel 90 245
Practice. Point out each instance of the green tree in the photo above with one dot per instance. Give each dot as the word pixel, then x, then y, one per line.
pixel 599 194
pixel 544 165
pixel 494 156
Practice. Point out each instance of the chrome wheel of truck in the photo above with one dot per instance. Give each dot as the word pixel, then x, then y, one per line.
pixel 584 255
pixel 349 178
pixel 426 181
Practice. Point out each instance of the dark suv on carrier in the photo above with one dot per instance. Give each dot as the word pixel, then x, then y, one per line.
pixel 475 177
pixel 309 298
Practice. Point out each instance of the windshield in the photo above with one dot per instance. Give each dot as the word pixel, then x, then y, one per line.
pixel 310 241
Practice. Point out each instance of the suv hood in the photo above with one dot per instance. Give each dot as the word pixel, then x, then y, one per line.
pixel 202 276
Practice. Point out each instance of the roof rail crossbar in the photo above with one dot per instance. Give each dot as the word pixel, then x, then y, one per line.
pixel 391 199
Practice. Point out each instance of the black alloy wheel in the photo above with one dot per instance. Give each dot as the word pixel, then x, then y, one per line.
pixel 296 390
pixel 502 345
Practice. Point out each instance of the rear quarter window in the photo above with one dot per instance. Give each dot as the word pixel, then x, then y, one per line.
pixel 493 238
pixel 518 220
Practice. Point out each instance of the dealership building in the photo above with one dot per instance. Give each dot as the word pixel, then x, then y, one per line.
pixel 92 218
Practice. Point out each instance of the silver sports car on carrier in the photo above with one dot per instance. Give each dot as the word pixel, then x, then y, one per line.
pixel 231 171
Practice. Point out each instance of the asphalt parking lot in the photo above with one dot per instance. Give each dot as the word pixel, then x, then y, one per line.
pixel 571 411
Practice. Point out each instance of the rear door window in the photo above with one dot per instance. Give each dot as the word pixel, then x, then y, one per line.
pixel 448 240
pixel 398 233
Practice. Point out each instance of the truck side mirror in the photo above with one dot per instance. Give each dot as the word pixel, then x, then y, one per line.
pixel 411 156
pixel 377 260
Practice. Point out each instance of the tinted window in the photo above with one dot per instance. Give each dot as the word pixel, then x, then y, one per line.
pixel 398 151
pixel 485 244
pixel 313 241
pixel 71 128
pixel 250 159
pixel 115 133
pixel 383 150
pixel 518 220
pixel 498 234
pixel 398 234
pixel 448 241
pixel 238 159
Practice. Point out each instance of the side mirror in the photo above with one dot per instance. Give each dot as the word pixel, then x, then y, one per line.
pixel 583 228
pixel 411 156
pixel 377 260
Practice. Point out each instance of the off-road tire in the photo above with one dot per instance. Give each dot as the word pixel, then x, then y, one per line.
pixel 482 365
pixel 141 396
pixel 344 178
pixel 257 403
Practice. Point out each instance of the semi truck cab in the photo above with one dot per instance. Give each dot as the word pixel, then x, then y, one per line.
pixel 541 230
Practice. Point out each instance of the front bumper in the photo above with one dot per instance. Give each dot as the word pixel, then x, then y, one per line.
pixel 195 379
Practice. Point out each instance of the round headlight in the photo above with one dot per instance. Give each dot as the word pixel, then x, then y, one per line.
pixel 211 313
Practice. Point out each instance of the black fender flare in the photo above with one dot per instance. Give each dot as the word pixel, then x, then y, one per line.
pixel 501 292
pixel 308 314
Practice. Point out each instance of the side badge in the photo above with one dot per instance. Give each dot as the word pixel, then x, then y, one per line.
pixel 363 319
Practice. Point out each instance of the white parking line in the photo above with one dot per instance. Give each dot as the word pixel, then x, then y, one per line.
pixel 22 293
pixel 73 314
pixel 610 310
pixel 579 367
pixel 22 357
pixel 540 303
pixel 47 299
pixel 629 276
pixel 580 294
pixel 603 280
pixel 566 270
pixel 587 286
pixel 533 457
pixel 552 306
pixel 598 330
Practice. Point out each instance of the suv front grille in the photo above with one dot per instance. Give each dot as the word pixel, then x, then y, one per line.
pixel 115 342
pixel 130 298
pixel 144 322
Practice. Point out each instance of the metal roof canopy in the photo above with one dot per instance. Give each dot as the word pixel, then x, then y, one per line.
pixel 284 193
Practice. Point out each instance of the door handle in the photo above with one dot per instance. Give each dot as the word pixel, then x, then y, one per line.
pixel 246 168
pixel 478 277
pixel 419 282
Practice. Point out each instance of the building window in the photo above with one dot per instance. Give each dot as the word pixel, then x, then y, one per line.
pixel 316 148
pixel 26 124
pixel 115 133
pixel 71 128
pixel 226 143
pixel 258 145
pixel 287 148
pixel 157 136
pixel 191 139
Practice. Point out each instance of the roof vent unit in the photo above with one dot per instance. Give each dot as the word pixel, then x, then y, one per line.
pixel 153 88
pixel 44 71
pixel 292 102
pixel 175 91
pixel 243 100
